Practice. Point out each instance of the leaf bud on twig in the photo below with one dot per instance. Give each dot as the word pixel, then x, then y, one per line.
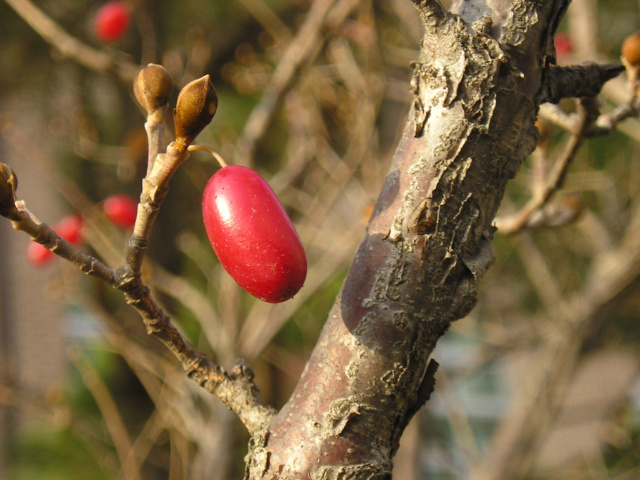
pixel 152 87
pixel 631 48
pixel 631 58
pixel 196 105
pixel 8 186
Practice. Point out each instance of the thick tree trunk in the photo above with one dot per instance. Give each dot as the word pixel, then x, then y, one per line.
pixel 477 87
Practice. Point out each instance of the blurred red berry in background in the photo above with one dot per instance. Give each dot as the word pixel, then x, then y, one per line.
pixel 38 255
pixel 70 228
pixel 121 210
pixel 112 21
pixel 563 44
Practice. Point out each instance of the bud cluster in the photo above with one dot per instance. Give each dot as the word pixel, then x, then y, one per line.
pixel 195 108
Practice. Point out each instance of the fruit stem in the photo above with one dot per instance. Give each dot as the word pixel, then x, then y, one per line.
pixel 215 155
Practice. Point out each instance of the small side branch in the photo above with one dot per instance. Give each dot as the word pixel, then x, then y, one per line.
pixel 431 12
pixel 236 390
pixel 578 81
pixel 587 113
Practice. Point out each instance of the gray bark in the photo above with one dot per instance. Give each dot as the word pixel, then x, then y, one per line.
pixel 477 86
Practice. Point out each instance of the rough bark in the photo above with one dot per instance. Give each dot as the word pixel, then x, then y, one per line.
pixel 477 86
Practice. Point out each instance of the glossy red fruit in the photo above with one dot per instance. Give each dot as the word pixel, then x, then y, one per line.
pixel 112 21
pixel 252 234
pixel 69 228
pixel 121 210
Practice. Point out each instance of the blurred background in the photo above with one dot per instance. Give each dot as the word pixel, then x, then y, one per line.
pixel 313 95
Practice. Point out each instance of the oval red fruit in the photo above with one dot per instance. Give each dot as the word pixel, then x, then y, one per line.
pixel 121 210
pixel 252 235
pixel 112 21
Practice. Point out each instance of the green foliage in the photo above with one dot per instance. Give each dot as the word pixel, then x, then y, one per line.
pixel 50 454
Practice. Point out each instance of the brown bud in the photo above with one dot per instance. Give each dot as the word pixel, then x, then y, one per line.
pixel 152 87
pixel 8 186
pixel 197 104
pixel 631 48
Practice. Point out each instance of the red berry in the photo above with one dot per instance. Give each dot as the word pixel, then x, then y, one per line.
pixel 70 228
pixel 112 21
pixel 563 44
pixel 121 210
pixel 252 235
pixel 38 255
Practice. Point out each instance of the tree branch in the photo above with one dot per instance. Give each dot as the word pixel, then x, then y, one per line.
pixel 578 80
pixel 427 244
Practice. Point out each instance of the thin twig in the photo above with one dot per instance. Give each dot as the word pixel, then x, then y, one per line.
pixel 109 411
pixel 155 130
pixel 155 187
pixel 553 182
pixel 44 235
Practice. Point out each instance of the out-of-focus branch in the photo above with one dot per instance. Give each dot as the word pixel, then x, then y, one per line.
pixel 70 46
pixel 584 82
pixel 576 319
pixel 555 179
pixel 109 411
pixel 323 15
pixel 583 28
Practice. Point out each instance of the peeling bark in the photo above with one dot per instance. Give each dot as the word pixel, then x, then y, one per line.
pixel 476 86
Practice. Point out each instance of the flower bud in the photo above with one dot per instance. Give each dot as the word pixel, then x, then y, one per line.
pixel 197 104
pixel 8 186
pixel 152 87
